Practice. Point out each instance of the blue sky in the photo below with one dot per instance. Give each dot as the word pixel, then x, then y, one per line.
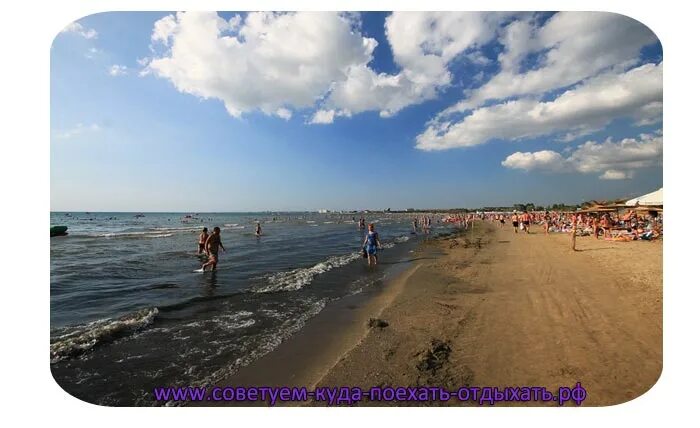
pixel 237 112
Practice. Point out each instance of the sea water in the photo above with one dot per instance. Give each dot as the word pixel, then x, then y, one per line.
pixel 129 314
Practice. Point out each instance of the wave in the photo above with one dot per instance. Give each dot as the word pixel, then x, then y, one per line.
pixel 132 235
pixel 298 278
pixel 301 277
pixel 79 340
pixel 268 342
pixel 234 321
pixel 178 229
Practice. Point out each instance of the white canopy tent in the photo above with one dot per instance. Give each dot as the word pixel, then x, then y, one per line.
pixel 653 198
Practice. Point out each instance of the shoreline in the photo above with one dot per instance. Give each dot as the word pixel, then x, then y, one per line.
pixel 307 356
pixel 521 310
pixel 515 310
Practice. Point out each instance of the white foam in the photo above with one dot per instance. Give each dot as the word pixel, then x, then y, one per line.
pixel 268 343
pixel 301 277
pixel 83 338
pixel 160 233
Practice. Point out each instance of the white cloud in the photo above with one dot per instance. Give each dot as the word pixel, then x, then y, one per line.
pixel 423 45
pixel 568 48
pixel 616 160
pixel 323 117
pixel 79 129
pixel 278 63
pixel 613 174
pixel 284 113
pixel 545 160
pixel 636 93
pixel 117 70
pixel 627 154
pixel 267 62
pixel 77 28
pixel 315 60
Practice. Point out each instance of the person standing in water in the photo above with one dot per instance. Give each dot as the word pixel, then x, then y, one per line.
pixel 415 224
pixel 361 223
pixel 258 229
pixel 212 246
pixel 203 240
pixel 371 245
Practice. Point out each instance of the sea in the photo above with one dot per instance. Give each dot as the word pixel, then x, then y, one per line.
pixel 128 312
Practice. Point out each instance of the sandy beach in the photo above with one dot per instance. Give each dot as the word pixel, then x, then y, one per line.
pixel 522 310
pixel 514 310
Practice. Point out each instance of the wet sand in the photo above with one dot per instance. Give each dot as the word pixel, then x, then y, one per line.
pixel 522 310
pixel 514 310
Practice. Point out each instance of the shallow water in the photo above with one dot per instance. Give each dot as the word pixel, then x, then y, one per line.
pixel 128 313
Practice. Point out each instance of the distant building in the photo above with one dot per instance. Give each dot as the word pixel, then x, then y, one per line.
pixel 323 211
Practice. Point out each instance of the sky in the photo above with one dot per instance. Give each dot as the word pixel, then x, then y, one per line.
pixel 207 112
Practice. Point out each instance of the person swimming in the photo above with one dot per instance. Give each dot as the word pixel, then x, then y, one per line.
pixel 371 245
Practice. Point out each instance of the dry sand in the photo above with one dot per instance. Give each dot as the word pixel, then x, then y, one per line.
pixel 518 310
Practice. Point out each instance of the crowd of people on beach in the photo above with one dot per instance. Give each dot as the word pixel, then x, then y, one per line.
pixel 609 225
pixel 629 225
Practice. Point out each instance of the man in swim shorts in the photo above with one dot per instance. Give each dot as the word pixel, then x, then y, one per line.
pixel 212 246
pixel 514 219
pixel 526 221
